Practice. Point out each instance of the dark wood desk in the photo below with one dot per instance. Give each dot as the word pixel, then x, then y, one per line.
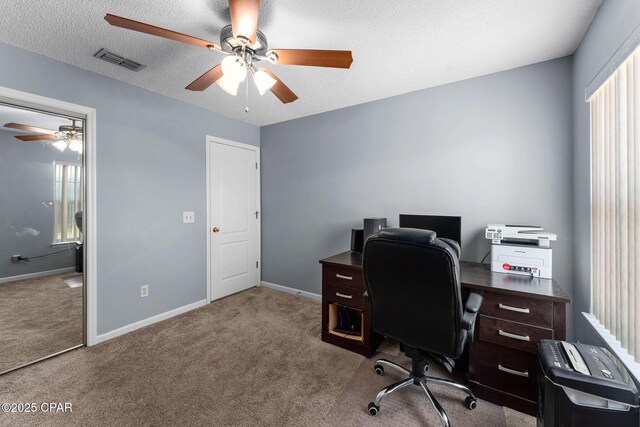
pixel 517 312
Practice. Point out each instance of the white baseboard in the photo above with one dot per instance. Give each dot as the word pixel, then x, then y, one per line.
pixel 37 274
pixel 149 321
pixel 291 290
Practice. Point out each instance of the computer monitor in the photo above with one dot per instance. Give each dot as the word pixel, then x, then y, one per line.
pixel 448 227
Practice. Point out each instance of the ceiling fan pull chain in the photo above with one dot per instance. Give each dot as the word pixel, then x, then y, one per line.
pixel 247 62
pixel 246 86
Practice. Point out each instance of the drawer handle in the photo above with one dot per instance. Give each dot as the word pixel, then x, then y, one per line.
pixel 340 276
pixel 510 308
pixel 513 371
pixel 514 336
pixel 338 294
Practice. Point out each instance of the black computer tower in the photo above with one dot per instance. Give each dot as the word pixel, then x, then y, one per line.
pixel 373 225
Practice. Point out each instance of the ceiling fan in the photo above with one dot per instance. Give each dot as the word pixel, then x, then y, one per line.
pixel 245 45
pixel 67 136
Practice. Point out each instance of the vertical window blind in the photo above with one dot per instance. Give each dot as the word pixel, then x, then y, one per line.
pixel 68 201
pixel 615 172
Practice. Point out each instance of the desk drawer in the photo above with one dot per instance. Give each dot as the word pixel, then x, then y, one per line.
pixel 509 370
pixel 512 334
pixel 343 276
pixel 344 295
pixel 519 309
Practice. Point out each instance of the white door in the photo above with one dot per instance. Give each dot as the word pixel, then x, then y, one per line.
pixel 234 219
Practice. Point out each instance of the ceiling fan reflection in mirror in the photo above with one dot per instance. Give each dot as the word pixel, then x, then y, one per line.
pixel 245 46
pixel 67 136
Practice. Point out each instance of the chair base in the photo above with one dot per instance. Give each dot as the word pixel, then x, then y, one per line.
pixel 417 376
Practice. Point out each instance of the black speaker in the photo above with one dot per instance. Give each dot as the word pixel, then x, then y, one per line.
pixel 357 239
pixel 373 225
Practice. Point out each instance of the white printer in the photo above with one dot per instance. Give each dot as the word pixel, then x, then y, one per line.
pixel 520 249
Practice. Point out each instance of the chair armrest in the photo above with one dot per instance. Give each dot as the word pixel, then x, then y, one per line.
pixel 471 312
pixel 473 303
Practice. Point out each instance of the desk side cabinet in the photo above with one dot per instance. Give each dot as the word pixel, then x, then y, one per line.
pixel 503 355
pixel 345 317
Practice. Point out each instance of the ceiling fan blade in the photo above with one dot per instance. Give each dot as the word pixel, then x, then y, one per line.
pixel 30 128
pixel 314 57
pixel 35 137
pixel 207 79
pixel 280 89
pixel 141 27
pixel 244 18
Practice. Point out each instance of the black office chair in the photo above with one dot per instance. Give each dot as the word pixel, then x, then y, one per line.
pixel 413 288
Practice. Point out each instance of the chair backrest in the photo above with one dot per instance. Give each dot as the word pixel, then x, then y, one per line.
pixel 413 282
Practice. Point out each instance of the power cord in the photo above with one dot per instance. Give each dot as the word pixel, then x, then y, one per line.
pixel 28 259
pixel 485 257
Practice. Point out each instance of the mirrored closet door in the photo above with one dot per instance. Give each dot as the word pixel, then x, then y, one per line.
pixel 41 242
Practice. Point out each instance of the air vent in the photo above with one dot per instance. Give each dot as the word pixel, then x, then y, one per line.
pixel 105 55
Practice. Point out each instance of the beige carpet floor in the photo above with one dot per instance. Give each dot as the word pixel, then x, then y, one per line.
pixel 410 406
pixel 252 359
pixel 38 317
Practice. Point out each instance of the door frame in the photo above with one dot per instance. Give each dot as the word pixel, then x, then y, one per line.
pixel 215 140
pixel 30 100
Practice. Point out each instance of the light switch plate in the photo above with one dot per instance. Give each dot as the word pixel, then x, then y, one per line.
pixel 188 217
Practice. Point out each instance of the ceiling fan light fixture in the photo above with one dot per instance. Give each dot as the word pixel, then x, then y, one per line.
pixel 75 145
pixel 59 145
pixel 234 71
pixel 228 84
pixel 234 68
pixel 263 81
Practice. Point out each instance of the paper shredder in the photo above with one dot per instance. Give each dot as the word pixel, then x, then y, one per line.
pixel 583 386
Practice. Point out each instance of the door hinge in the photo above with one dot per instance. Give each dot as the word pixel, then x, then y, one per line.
pixel 256 264
pixel 257 213
pixel 256 165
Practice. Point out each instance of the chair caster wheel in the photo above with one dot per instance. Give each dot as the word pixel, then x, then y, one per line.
pixel 470 402
pixel 373 409
pixel 378 369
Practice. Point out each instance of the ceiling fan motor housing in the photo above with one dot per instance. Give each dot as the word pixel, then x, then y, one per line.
pixel 70 129
pixel 230 44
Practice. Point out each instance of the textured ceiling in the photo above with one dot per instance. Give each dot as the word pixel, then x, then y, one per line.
pixel 398 46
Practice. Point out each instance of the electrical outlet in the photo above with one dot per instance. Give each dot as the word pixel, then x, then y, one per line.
pixel 16 259
pixel 144 291
pixel 188 218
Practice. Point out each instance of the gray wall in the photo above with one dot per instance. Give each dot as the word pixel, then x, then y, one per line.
pixel 613 23
pixel 150 167
pixel 26 189
pixel 491 149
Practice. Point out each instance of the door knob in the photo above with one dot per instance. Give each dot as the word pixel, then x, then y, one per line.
pixel 215 229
